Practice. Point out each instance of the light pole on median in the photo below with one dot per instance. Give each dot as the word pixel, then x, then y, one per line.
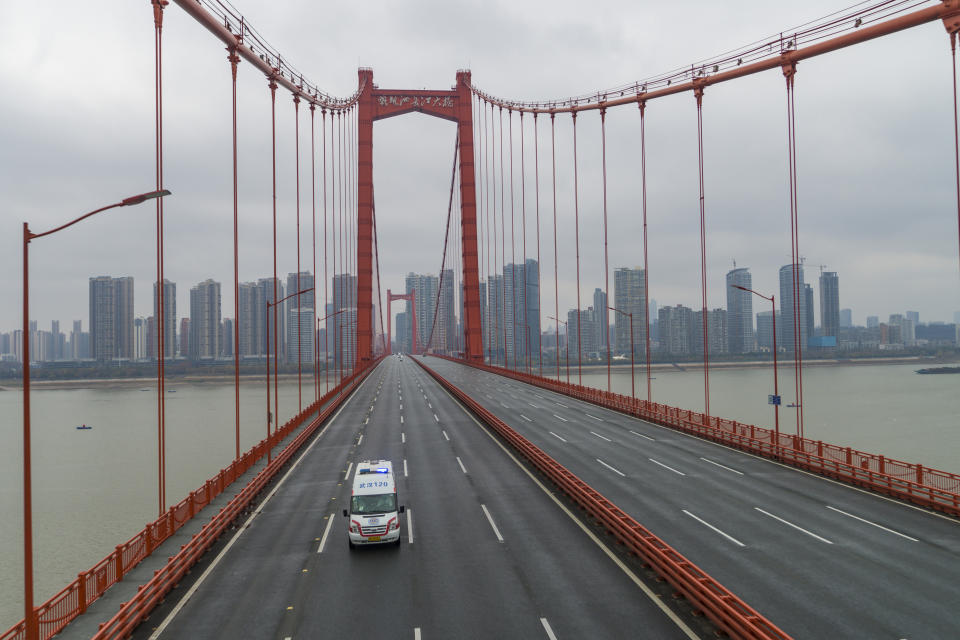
pixel 775 399
pixel 30 619
pixel 633 393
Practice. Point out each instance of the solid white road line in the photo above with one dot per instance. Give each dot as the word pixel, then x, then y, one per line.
pixel 546 627
pixel 594 417
pixel 409 526
pixel 360 439
pixel 739 473
pixel 643 436
pixel 878 526
pixel 790 524
pixel 666 467
pixel 460 462
pixel 601 437
pixel 654 598
pixel 556 436
pixel 492 523
pixel 444 432
pixel 405 473
pixel 560 418
pixel 707 524
pixel 349 467
pixel 326 532
pixel 611 468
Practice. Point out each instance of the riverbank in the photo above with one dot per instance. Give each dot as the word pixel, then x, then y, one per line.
pixel 150 384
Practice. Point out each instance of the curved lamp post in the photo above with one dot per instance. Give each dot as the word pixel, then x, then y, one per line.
pixel 568 346
pixel 30 619
pixel 775 399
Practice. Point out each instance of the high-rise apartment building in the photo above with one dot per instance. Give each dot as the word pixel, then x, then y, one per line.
pixel 205 338
pixel 521 299
pixel 601 318
pixel 252 319
pixel 846 318
pixel 445 332
pixel 496 319
pixel 169 320
pixel 829 304
pixel 676 324
pixel 629 288
pixel 300 318
pixel 271 339
pixel 582 334
pixel 765 330
pixel 739 311
pixel 342 327
pixel 717 332
pixel 111 318
pixel 793 323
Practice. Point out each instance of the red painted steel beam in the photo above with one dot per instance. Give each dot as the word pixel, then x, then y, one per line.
pixel 468 228
pixel 949 11
pixel 365 117
pixel 725 609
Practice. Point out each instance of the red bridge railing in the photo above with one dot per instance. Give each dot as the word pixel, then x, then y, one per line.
pixel 931 488
pixel 73 600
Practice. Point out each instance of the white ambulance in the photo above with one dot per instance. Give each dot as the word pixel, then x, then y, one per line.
pixel 374 512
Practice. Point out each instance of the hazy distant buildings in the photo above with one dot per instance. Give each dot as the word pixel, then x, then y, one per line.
pixel 829 304
pixel 717 335
pixel 765 330
pixel 739 311
pixel 795 308
pixel 675 326
pixel 846 318
pixel 495 319
pixel 204 335
pixel 169 321
pixel 521 299
pixel 629 287
pixel 300 318
pixel 111 318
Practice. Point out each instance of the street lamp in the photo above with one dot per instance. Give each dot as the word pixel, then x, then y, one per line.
pixel 32 624
pixel 633 393
pixel 568 348
pixel 775 398
pixel 276 376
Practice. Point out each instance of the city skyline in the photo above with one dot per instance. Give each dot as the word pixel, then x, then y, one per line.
pixel 851 214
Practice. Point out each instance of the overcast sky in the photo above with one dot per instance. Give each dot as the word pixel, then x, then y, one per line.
pixel 877 197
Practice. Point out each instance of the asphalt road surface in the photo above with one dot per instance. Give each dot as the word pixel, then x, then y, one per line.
pixel 818 558
pixel 486 551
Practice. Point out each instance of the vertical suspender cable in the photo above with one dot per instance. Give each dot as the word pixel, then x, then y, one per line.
pixel 605 330
pixel 956 129
pixel 158 6
pixel 513 255
pixel 576 225
pixel 326 281
pixel 536 177
pixel 276 327
pixel 313 239
pixel 234 60
pixel 556 285
pixel 498 288
pixel 523 215
pixel 481 207
pixel 789 71
pixel 337 292
pixel 698 94
pixel 296 146
pixel 503 250
pixel 490 280
pixel 646 267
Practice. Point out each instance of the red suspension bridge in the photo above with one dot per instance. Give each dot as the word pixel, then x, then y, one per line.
pixel 504 182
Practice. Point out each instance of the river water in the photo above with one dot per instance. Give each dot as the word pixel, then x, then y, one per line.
pixel 93 489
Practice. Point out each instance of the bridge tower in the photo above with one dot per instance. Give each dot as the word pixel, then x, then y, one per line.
pixel 376 104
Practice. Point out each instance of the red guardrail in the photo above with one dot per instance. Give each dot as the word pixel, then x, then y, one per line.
pixel 912 482
pixel 725 609
pixel 73 600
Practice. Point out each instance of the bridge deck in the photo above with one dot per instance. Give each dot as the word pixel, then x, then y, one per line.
pixel 819 558
pixel 290 574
